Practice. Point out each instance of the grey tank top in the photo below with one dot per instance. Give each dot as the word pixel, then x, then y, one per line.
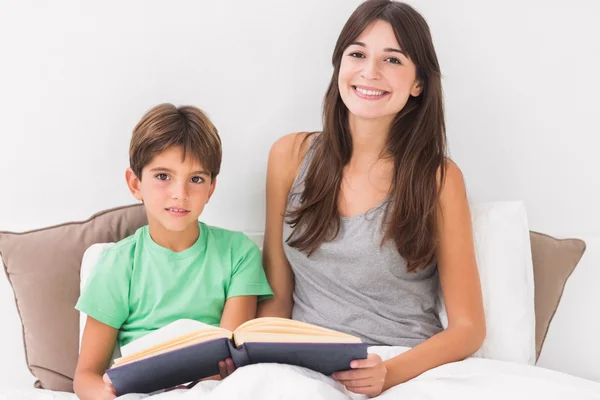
pixel 353 284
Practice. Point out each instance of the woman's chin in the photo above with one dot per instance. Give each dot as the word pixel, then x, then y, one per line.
pixel 371 115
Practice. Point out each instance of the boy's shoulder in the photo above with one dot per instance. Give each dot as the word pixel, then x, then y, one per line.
pixel 125 246
pixel 235 240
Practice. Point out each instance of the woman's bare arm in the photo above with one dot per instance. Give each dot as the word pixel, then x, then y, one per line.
pixel 284 160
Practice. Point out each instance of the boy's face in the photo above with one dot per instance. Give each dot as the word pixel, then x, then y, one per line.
pixel 174 190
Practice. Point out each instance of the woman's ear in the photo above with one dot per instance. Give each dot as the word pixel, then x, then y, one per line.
pixel 417 88
pixel 133 183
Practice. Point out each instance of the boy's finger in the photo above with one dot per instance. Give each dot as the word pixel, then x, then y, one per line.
pixel 223 369
pixel 230 366
pixel 110 392
pixel 108 384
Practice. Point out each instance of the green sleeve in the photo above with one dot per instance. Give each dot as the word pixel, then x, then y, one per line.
pixel 105 296
pixel 248 276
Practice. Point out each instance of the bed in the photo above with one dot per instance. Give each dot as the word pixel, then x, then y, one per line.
pixel 507 366
pixel 470 379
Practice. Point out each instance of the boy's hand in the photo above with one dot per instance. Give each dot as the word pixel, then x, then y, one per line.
pixel 226 368
pixel 109 392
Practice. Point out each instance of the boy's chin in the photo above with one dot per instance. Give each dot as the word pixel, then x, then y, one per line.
pixel 178 225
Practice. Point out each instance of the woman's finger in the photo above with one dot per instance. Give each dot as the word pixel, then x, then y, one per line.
pixel 357 383
pixel 352 374
pixel 361 389
pixel 371 361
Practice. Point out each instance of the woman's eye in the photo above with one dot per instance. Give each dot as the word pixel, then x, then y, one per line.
pixel 393 60
pixel 162 177
pixel 356 54
pixel 197 179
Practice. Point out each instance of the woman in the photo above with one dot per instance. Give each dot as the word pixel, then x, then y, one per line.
pixel 367 217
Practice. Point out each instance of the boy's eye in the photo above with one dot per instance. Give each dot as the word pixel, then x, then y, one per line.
pixel 197 179
pixel 162 177
pixel 356 54
pixel 393 60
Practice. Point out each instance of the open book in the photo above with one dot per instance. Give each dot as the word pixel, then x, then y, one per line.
pixel 187 350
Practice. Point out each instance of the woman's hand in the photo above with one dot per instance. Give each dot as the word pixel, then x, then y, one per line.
pixel 109 392
pixel 366 376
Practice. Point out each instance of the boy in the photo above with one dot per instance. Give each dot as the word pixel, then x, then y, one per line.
pixel 175 267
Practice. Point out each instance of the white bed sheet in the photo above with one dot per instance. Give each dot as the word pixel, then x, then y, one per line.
pixel 11 393
pixel 472 379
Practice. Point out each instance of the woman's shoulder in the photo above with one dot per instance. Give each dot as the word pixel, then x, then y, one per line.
pixel 452 188
pixel 453 178
pixel 288 151
pixel 294 146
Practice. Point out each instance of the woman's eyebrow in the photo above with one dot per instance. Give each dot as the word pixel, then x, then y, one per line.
pixel 387 49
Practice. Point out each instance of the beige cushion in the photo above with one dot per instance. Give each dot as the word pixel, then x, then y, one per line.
pixel 553 262
pixel 43 269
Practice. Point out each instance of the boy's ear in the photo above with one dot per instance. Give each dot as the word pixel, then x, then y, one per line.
pixel 213 185
pixel 133 183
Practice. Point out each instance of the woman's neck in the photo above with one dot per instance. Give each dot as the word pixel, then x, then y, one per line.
pixel 369 139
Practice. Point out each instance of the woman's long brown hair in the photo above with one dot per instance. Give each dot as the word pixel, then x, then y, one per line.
pixel 416 141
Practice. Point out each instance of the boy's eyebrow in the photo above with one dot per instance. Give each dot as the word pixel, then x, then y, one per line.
pixel 199 172
pixel 387 49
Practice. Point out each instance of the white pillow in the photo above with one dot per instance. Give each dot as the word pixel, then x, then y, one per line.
pixel 503 252
pixel 88 262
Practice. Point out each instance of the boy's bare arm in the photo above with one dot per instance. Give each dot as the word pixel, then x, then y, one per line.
pixel 238 310
pixel 97 347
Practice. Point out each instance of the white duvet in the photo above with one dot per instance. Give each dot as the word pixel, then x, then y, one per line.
pixel 472 379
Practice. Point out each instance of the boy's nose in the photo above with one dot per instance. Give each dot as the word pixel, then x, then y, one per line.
pixel 180 192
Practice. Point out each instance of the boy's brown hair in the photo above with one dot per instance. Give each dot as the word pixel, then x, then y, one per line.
pixel 165 126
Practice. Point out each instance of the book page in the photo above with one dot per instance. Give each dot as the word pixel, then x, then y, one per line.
pixel 204 334
pixel 284 330
pixel 171 331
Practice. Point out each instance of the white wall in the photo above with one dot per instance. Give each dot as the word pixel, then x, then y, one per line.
pixel 80 75
pixel 522 87
pixel 520 81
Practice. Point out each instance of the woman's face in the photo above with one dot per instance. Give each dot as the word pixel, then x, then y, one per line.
pixel 376 78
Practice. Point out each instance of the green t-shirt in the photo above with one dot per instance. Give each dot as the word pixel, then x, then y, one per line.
pixel 138 286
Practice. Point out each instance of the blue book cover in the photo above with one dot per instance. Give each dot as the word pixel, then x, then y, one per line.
pixel 200 360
